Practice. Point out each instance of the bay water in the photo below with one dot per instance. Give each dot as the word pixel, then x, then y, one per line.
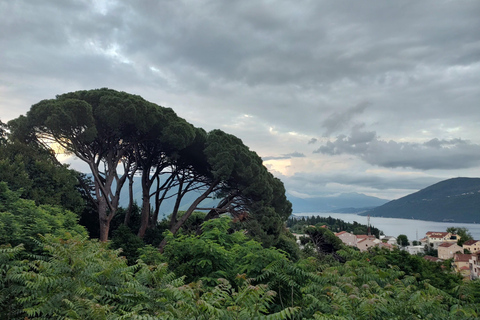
pixel 413 229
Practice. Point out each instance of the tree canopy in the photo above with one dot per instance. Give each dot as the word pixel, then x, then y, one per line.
pixel 120 135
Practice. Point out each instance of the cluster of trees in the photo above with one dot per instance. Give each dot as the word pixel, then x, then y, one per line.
pixel 218 274
pixel 119 136
pixel 299 224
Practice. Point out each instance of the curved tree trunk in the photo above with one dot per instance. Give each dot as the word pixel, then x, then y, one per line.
pixel 188 213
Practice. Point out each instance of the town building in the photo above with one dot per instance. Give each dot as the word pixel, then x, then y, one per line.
pixel 472 245
pixel 364 242
pixel 446 250
pixel 347 238
pixel 389 239
pixel 461 263
pixel 474 266
pixel 435 238
pixel 432 259
pixel 415 249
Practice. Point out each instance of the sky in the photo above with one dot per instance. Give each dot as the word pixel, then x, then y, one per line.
pixel 374 97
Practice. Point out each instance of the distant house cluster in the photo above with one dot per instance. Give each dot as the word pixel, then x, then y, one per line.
pixel 446 244
pixel 363 242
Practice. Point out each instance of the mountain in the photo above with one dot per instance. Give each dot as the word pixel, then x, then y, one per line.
pixel 343 203
pixel 456 200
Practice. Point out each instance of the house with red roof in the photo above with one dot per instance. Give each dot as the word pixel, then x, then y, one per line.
pixel 461 263
pixel 472 245
pixel 435 238
pixel 364 242
pixel 347 238
pixel 432 259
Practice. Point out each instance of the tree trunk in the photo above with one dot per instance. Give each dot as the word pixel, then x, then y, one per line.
pixel 187 214
pixel 104 222
pixel 128 214
pixel 145 217
pixel 104 229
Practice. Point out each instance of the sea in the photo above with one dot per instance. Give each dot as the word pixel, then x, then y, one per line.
pixel 413 229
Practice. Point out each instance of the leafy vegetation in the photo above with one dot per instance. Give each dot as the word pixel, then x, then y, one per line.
pixel 299 224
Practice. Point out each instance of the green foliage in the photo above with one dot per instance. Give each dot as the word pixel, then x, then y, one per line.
pixel 325 241
pixel 423 270
pixel 3 133
pixel 402 240
pixel 462 232
pixel 298 225
pixel 82 279
pixel 216 253
pixel 22 220
pixel 34 172
pixel 127 242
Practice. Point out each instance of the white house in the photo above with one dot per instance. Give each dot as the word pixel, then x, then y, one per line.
pixel 415 249
pixel 389 239
pixel 435 238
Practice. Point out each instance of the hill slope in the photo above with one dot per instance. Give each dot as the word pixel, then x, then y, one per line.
pixel 456 199
pixel 345 202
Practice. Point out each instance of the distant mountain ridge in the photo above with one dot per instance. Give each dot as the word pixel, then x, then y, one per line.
pixel 455 200
pixel 342 203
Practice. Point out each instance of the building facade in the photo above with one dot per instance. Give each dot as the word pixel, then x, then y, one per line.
pixel 447 250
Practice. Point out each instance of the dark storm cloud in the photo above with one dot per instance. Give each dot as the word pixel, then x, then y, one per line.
pixel 312 141
pixel 433 154
pixel 285 156
pixel 287 52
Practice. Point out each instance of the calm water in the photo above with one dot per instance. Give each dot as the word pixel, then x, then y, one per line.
pixel 394 226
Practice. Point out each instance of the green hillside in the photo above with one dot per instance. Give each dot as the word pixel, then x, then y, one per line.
pixel 456 199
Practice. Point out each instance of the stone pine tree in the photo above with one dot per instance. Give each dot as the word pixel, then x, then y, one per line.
pixel 235 175
pixel 99 127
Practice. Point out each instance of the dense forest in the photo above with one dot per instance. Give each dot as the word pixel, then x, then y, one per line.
pixel 69 251
pixel 298 225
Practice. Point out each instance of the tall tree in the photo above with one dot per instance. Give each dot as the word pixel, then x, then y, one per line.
pixel 155 152
pixel 230 172
pixel 99 127
pixel 3 133
pixel 403 240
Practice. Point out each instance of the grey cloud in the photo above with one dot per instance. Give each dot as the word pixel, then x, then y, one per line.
pixel 359 180
pixel 285 156
pixel 433 154
pixel 298 67
pixel 338 120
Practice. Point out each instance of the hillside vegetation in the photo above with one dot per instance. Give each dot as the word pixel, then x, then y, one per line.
pixel 456 199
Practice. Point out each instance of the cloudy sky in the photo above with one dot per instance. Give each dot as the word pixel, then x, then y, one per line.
pixel 377 97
